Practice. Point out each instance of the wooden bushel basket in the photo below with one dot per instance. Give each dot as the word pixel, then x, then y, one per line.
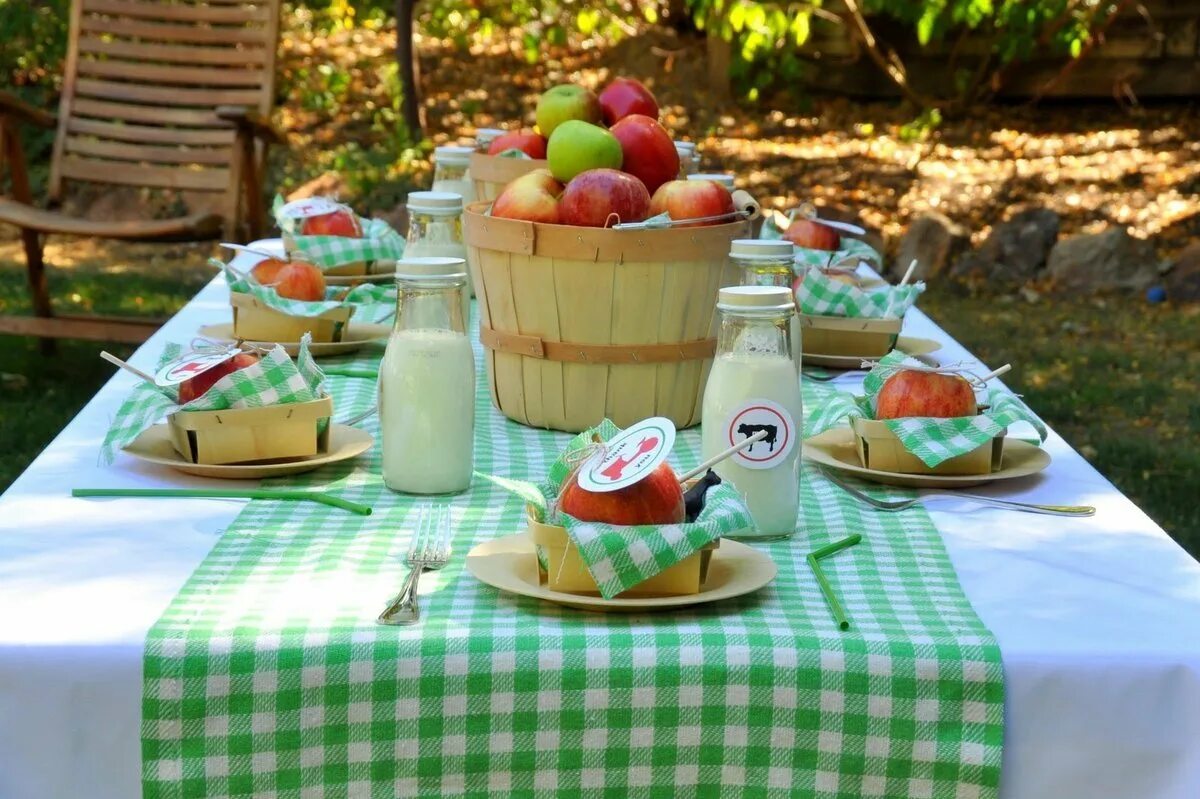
pixel 254 321
pixel 491 173
pixel 586 323
pixel 843 336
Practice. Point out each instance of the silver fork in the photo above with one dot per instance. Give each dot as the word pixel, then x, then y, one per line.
pixel 358 417
pixel 901 504
pixel 430 550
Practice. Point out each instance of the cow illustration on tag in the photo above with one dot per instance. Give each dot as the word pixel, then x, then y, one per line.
pixel 761 416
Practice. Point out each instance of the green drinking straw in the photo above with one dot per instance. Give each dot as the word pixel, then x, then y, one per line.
pixel 256 493
pixel 831 599
pixel 350 371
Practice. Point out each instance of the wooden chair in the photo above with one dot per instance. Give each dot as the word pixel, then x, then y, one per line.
pixel 173 94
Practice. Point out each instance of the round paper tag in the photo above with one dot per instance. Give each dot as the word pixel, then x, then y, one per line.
pixel 309 206
pixel 761 415
pixel 190 365
pixel 630 456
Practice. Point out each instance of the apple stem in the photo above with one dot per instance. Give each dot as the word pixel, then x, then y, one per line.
pixel 720 456
pixel 908 273
pixel 115 361
pixel 995 373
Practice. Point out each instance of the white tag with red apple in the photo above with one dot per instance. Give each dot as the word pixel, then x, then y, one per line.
pixel 309 206
pixel 756 416
pixel 629 456
pixel 191 364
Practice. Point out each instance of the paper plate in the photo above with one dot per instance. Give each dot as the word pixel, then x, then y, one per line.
pixel 355 337
pixel 906 344
pixel 836 449
pixel 508 563
pixel 154 446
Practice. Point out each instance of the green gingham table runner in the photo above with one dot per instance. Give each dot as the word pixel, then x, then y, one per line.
pixel 267 675
pixel 275 380
pixel 820 295
pixel 617 557
pixel 932 440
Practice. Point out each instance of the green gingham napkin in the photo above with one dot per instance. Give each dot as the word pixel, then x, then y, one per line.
pixel 932 440
pixel 620 557
pixel 379 242
pixel 274 380
pixel 335 296
pixel 821 295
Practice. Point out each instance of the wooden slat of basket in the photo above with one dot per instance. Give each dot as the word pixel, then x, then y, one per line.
pixel 485 318
pixel 585 298
pixel 537 315
pixel 672 326
pixel 497 274
pixel 637 303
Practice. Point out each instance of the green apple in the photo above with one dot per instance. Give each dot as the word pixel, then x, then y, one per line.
pixel 565 102
pixel 577 146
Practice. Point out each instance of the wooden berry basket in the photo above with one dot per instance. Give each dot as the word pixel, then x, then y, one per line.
pixel 581 323
pixel 843 336
pixel 564 570
pixel 880 449
pixel 491 173
pixel 249 435
pixel 254 321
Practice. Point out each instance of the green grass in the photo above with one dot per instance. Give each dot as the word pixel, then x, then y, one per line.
pixel 1116 377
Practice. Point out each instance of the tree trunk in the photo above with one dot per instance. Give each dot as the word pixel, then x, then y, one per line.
pixel 720 59
pixel 410 73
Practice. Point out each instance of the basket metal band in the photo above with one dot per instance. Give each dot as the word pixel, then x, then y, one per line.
pixel 535 347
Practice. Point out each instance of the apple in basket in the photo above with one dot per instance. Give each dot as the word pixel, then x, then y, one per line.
pixel 266 271
pixel 197 386
pixel 648 151
pixel 655 499
pixel 342 222
pixel 602 197
pixel 532 197
pixel 577 146
pixel 624 97
pixel 528 142
pixel 298 280
pixel 692 199
pixel 563 103
pixel 912 392
pixel 812 235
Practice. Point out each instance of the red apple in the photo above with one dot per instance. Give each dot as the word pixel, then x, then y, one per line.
pixel 338 223
pixel 601 197
pixel 911 392
pixel 197 386
pixel 266 272
pixel 532 197
pixel 655 499
pixel 300 281
pixel 812 235
pixel 528 142
pixel 626 96
pixel 692 199
pixel 648 153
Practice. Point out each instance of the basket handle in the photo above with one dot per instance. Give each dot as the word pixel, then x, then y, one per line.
pixel 536 347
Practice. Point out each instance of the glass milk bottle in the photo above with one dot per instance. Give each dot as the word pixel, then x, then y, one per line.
pixel 716 177
pixel 427 384
pixel 760 262
pixel 445 264
pixel 450 165
pixel 689 162
pixel 753 388
pixel 435 227
pixel 484 138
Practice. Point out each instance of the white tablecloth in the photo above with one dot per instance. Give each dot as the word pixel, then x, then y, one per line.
pixel 1098 619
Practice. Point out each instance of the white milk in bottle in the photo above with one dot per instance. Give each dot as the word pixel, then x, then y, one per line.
pixel 753 388
pixel 427 383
